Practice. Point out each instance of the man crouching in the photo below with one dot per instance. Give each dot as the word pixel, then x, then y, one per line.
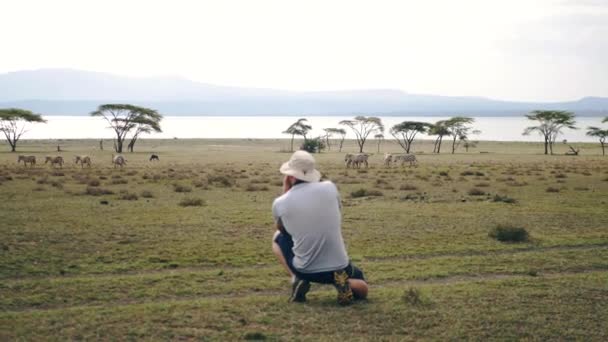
pixel 308 241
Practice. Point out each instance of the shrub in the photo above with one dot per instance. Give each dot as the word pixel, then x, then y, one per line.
pixel 476 192
pixel 94 182
pixel 129 197
pixel 364 193
pixel 315 145
pixel 181 188
pixel 552 189
pixel 415 297
pixel 252 187
pixel 505 199
pixel 444 173
pixel 192 202
pixel 58 174
pixel 97 191
pixel 147 194
pixel 509 233
pixel 408 187
pixel 119 181
pixel 482 185
pixel 220 180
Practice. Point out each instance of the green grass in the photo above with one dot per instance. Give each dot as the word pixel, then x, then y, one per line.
pixel 104 253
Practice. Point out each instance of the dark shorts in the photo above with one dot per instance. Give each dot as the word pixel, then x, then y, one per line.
pixel 286 244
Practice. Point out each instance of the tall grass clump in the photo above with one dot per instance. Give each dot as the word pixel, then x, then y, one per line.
pixel 192 202
pixel 509 233
pixel 365 193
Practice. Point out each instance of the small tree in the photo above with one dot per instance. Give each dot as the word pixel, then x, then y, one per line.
pixel 467 144
pixel 599 133
pixel 459 130
pixel 13 122
pixel 362 127
pixel 379 138
pixel 123 118
pixel 299 127
pixel 439 129
pixel 406 131
pixel 145 124
pixel 550 125
pixel 330 132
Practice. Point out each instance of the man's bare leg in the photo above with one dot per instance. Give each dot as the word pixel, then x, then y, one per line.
pixel 359 287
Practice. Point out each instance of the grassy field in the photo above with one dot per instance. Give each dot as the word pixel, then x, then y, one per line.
pixel 180 249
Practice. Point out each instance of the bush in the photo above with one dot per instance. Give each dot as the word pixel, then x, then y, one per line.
pixel 365 193
pixel 505 199
pixel 552 189
pixel 415 297
pixel 192 202
pixel 252 187
pixel 476 192
pixel 315 145
pixel 119 181
pixel 181 188
pixel 129 197
pixel 220 180
pixel 97 191
pixel 94 182
pixel 508 233
pixel 147 194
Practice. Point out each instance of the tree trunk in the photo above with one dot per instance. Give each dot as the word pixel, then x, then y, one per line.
pixel 341 142
pixel 454 145
pixel 603 152
pixel 13 148
pixel 439 145
pixel 546 145
pixel 292 137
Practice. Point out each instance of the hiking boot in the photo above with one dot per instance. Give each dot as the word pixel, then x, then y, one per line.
pixel 299 289
pixel 345 294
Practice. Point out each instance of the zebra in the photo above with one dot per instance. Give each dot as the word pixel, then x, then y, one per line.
pixel 405 158
pixel 83 160
pixel 27 159
pixel 118 161
pixel 54 160
pixel 388 158
pixel 355 160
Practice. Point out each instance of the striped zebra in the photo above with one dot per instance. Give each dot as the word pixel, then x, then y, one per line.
pixel 82 160
pixel 27 159
pixel 403 158
pixel 118 161
pixel 54 160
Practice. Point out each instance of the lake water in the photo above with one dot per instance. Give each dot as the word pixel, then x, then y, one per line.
pixel 78 127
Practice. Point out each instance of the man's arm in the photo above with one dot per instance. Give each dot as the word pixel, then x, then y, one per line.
pixel 280 226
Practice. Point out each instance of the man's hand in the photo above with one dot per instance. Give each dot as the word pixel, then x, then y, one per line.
pixel 286 184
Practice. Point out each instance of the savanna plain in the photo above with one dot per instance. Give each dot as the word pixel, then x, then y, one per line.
pixel 180 248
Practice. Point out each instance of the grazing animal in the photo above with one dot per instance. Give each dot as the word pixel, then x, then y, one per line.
pixel 154 157
pixel 27 159
pixel 82 160
pixel 54 160
pixel 355 160
pixel 118 161
pixel 388 158
pixel 403 158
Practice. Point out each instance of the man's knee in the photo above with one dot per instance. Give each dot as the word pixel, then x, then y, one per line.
pixel 359 287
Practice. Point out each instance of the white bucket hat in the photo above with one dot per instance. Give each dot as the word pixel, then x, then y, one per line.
pixel 301 165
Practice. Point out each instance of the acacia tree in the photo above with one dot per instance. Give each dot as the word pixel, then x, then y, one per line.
pixel 13 122
pixel 298 128
pixel 550 125
pixel 458 127
pixel 145 124
pixel 599 133
pixel 339 131
pixel 123 118
pixel 364 126
pixel 439 129
pixel 379 138
pixel 327 136
pixel 406 131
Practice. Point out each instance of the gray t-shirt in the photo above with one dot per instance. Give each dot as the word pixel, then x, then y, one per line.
pixel 310 213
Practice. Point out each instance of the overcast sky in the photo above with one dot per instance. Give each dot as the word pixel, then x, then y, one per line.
pixel 542 50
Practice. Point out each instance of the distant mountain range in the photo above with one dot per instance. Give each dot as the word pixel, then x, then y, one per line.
pixel 75 92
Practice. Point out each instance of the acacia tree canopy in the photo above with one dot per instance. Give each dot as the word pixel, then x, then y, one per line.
pixel 550 125
pixel 363 126
pixel 299 127
pixel 406 131
pixel 13 122
pixel 123 118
